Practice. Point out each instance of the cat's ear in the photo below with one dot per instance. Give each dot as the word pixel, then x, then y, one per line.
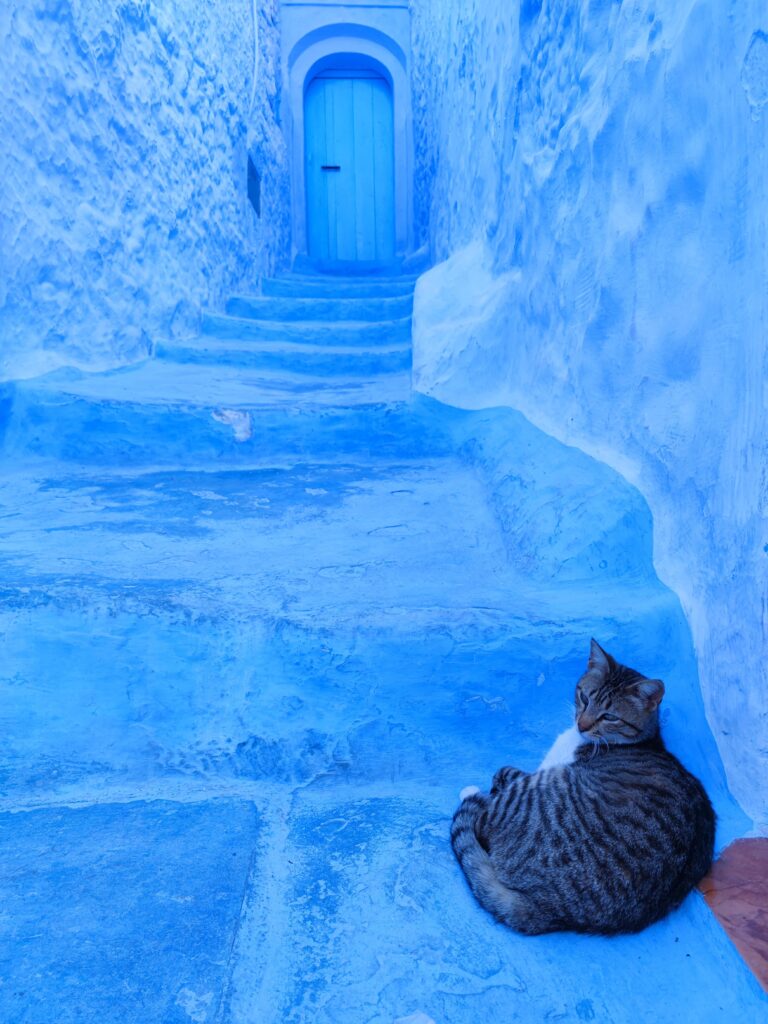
pixel 599 660
pixel 650 692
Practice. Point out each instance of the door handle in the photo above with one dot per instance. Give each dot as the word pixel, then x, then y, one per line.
pixel 330 167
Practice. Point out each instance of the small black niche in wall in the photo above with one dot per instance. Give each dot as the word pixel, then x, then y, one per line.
pixel 254 187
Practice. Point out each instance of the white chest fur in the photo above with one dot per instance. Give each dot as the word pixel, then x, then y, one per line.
pixel 563 749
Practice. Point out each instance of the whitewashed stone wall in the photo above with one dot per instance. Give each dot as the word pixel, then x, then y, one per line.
pixel 593 181
pixel 125 128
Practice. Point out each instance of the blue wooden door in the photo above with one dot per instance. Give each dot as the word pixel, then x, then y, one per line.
pixel 349 150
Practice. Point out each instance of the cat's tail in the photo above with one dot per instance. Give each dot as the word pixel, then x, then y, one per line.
pixel 507 905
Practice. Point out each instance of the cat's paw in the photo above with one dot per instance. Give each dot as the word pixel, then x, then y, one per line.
pixel 468 791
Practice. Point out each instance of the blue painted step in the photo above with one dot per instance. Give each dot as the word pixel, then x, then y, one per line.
pixel 368 563
pixel 325 360
pixel 304 286
pixel 358 268
pixel 315 332
pixel 150 430
pixel 361 308
pixel 371 628
pixel 215 590
pixel 129 916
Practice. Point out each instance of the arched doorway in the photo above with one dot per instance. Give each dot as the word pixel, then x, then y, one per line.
pixel 349 164
pixel 316 40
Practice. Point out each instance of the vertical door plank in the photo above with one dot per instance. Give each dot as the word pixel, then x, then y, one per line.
pixel 384 168
pixel 315 146
pixel 365 205
pixel 330 177
pixel 343 149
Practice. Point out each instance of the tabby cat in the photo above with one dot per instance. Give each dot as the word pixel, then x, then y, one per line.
pixel 607 836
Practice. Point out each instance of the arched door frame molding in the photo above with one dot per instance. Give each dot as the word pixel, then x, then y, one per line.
pixel 310 55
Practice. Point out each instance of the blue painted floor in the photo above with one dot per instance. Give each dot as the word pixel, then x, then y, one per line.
pixel 264 614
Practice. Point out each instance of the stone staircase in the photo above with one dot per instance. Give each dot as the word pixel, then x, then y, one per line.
pixel 264 613
pixel 309 327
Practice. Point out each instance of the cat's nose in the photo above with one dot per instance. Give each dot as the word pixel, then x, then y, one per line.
pixel 585 722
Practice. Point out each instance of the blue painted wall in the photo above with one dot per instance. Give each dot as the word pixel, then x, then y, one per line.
pixel 127 128
pixel 593 178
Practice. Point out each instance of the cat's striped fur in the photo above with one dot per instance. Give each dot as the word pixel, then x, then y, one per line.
pixel 607 843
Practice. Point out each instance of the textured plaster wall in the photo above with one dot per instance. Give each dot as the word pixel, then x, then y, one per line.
pixel 592 179
pixel 125 130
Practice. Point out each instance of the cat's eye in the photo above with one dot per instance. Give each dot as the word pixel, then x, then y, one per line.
pixel 582 697
pixel 610 718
